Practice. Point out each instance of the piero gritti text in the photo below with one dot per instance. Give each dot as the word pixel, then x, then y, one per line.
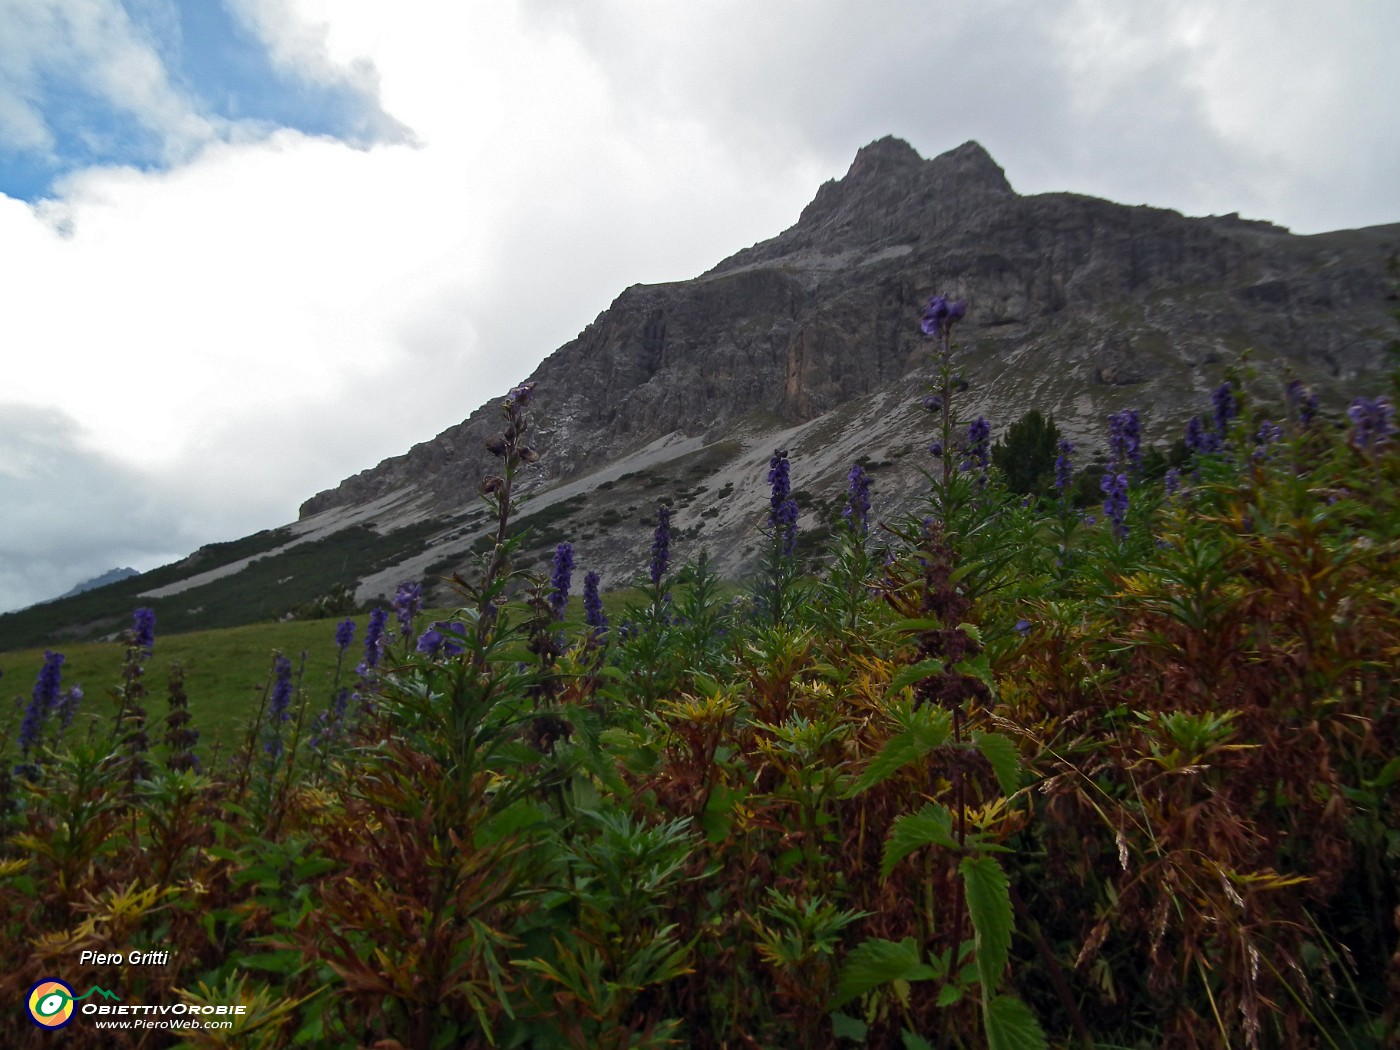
pixel 132 958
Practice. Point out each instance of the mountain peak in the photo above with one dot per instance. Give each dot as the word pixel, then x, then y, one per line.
pixel 970 163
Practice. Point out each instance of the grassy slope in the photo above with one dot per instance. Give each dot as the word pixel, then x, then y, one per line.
pixel 225 670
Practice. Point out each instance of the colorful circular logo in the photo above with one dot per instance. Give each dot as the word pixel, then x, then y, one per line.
pixel 50 1003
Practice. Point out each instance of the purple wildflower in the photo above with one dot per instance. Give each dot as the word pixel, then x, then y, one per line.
pixel 374 635
pixel 1199 439
pixel 344 634
pixel 1302 402
pixel 143 631
pixel 1115 504
pixel 1125 441
pixel 661 544
pixel 1173 482
pixel 782 512
pixel 1064 466
pixel 440 638
pixel 935 315
pixel 42 701
pixel 857 510
pixel 68 706
pixel 1023 627
pixel 593 614
pixel 978 452
pixel 936 449
pixel 561 578
pixel 408 601
pixel 1226 407
pixel 933 403
pixel 1371 424
pixel 940 315
pixel 277 706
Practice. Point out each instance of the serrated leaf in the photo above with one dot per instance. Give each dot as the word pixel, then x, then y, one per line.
pixel 950 994
pixel 876 962
pixel 930 826
pixel 1001 754
pixel 915 673
pixel 1012 1026
pixel 989 907
pixel 902 749
pixel 914 1042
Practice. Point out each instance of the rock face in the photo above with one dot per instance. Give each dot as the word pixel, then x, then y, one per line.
pixel 1077 306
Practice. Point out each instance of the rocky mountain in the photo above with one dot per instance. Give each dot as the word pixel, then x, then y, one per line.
pixel 810 341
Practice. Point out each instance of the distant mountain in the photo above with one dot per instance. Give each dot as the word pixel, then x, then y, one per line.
pixel 110 576
pixel 809 341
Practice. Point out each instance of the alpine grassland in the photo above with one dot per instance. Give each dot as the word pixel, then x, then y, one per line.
pixel 1095 760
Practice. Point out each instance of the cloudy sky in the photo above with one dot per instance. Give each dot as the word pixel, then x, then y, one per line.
pixel 250 247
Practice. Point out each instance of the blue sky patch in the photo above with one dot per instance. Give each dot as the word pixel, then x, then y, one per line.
pixel 215 69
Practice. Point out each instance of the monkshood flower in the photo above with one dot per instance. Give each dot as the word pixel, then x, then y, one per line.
pixel 560 579
pixel 1125 441
pixel 1302 402
pixel 374 634
pixel 940 315
pixel 661 544
pixel 1115 504
pixel 143 631
pixel 977 447
pixel 408 601
pixel 440 637
pixel 857 511
pixel 593 614
pixel 1064 466
pixel 344 634
pixel 280 702
pixel 68 706
pixel 782 512
pixel 933 403
pixel 41 702
pixel 1371 424
pixel 1199 439
pixel 1225 407
pixel 1172 482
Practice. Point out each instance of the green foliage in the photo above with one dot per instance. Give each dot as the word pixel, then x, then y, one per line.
pixel 1005 780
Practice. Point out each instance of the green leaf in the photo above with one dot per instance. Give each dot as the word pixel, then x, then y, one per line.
pixel 989 906
pixel 876 962
pixel 950 994
pixel 932 825
pixel 1012 1026
pixel 1000 752
pixel 844 1026
pixel 902 749
pixel 915 673
pixel 914 1042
